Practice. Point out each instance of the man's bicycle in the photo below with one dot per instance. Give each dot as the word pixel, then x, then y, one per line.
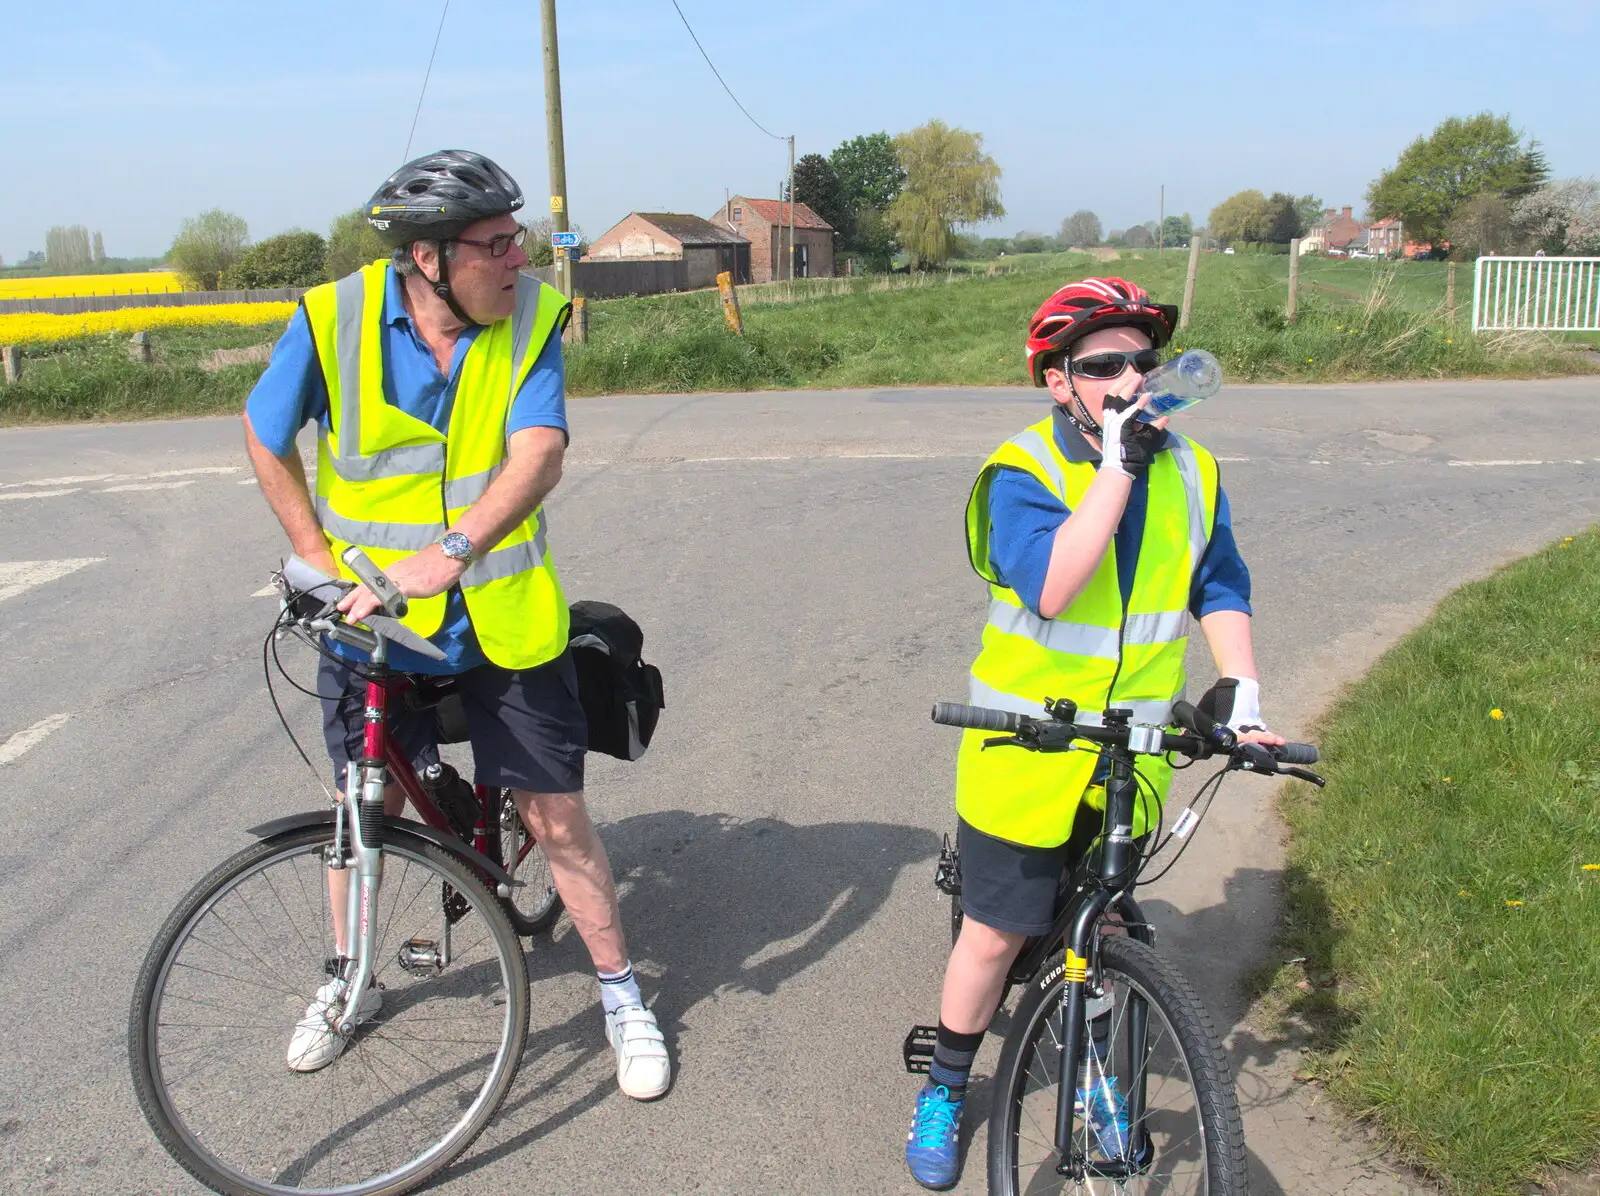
pixel 1100 1008
pixel 419 918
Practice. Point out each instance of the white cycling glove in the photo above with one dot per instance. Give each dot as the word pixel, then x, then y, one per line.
pixel 1235 701
pixel 1129 444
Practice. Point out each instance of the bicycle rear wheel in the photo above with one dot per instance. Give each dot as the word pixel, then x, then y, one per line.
pixel 534 905
pixel 231 974
pixel 1189 1137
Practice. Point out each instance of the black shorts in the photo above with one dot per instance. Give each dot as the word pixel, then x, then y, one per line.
pixel 526 725
pixel 1012 887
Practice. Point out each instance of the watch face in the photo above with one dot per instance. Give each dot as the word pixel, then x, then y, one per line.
pixel 456 546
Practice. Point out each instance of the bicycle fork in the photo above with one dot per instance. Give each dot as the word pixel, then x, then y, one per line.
pixel 363 818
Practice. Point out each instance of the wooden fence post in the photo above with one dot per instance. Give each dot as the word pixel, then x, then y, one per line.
pixel 578 325
pixel 1188 282
pixel 1450 292
pixel 1294 278
pixel 11 357
pixel 730 302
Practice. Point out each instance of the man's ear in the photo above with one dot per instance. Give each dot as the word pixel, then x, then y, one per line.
pixel 426 256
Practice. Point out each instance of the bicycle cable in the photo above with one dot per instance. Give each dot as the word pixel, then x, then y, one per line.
pixel 271 643
pixel 1208 793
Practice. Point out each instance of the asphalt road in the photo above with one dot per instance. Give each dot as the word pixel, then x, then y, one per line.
pixel 797 563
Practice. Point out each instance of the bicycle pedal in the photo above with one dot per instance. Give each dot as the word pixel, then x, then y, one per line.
pixel 421 956
pixel 918 1049
pixel 947 873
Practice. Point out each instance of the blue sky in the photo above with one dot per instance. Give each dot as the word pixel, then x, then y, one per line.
pixel 126 118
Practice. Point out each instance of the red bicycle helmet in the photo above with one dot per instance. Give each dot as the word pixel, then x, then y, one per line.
pixel 1086 306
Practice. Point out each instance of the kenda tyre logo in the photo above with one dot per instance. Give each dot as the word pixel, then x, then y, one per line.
pixel 1050 977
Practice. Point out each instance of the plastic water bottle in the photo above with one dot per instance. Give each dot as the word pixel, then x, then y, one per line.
pixel 1179 384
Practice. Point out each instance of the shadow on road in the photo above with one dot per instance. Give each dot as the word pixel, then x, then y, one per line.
pixel 725 905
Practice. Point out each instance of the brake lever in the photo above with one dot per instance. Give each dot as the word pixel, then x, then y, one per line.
pixel 1252 757
pixel 1303 774
pixel 1002 741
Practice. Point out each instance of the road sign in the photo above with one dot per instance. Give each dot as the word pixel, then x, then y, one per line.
pixel 564 240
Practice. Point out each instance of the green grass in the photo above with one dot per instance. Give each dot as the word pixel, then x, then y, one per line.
pixel 1437 892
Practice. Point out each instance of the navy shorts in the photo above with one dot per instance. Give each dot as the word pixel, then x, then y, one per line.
pixel 1013 887
pixel 526 725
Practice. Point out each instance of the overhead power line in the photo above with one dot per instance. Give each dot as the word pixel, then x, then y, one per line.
pixel 425 77
pixel 721 80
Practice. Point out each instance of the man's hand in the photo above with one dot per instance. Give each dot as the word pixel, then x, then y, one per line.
pixel 424 574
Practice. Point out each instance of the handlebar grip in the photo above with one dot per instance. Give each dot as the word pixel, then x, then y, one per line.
pixel 374 578
pixel 1187 716
pixel 1296 753
pixel 979 718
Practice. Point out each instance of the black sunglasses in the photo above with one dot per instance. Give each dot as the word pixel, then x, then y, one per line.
pixel 499 245
pixel 1110 364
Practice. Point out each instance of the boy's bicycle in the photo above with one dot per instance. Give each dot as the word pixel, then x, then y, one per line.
pixel 430 911
pixel 1101 1011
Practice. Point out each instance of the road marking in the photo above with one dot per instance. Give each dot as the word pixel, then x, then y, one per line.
pixel 247 482
pixel 38 493
pixel 147 486
pixel 193 471
pixel 31 737
pixel 16 576
pixel 266 591
pixel 199 469
pixel 76 479
pixel 1233 458
pixel 1486 463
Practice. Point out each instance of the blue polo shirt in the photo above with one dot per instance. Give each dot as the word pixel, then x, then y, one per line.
pixel 292 393
pixel 1025 514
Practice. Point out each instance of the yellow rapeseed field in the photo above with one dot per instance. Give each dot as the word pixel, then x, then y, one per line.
pixel 156 282
pixel 29 329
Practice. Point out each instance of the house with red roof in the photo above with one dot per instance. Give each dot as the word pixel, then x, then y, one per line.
pixel 765 224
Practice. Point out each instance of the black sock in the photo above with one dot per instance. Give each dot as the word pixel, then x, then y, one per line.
pixel 952 1058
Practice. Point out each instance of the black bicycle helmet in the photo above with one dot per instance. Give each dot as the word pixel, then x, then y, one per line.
pixel 437 196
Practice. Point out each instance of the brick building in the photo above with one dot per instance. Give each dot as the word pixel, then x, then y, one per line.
pixel 1336 229
pixel 705 249
pixel 1387 236
pixel 765 222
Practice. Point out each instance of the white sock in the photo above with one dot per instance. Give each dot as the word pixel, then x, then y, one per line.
pixel 619 988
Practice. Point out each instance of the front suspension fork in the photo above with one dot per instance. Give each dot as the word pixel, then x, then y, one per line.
pixel 364 817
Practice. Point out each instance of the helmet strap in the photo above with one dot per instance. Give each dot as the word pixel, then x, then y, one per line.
pixel 1083 421
pixel 442 288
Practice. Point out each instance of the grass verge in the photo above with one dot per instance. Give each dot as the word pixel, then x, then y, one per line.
pixel 1444 890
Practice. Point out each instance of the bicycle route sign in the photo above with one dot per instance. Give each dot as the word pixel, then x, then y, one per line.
pixel 564 240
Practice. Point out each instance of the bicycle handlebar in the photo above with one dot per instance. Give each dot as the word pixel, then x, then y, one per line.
pixel 302 579
pixel 979 718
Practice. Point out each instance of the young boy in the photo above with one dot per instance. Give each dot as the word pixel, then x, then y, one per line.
pixel 1099 536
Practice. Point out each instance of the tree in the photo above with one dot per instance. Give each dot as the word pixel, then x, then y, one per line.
pixel 1283 219
pixel 1561 217
pixel 353 243
pixel 206 245
pixel 816 184
pixel 874 240
pixel 869 171
pixel 1309 208
pixel 292 259
pixel 949 181
pixel 1241 217
pixel 1176 230
pixel 66 249
pixel 99 251
pixel 1480 225
pixel 1080 229
pixel 1463 157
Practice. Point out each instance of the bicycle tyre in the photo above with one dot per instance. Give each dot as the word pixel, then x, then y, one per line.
pixel 143 1037
pixel 534 906
pixel 1173 1005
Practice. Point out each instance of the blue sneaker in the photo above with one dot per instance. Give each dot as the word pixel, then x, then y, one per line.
pixel 1106 1110
pixel 933 1147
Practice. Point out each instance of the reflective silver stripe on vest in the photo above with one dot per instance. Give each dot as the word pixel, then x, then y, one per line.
pixel 522 321
pixel 349 299
pixel 1076 639
pixel 1165 628
pixel 398 537
pixel 1189 471
pixel 1035 446
pixel 1148 713
pixel 463 492
pixel 389 463
pixel 508 562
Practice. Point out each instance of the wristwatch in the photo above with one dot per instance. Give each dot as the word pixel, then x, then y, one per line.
pixel 456 546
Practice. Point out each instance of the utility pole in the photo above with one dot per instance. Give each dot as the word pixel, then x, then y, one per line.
pixel 556 142
pixel 1161 222
pixel 1188 282
pixel 791 207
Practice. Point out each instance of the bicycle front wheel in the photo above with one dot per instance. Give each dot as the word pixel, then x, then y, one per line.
pixel 229 979
pixel 1185 1136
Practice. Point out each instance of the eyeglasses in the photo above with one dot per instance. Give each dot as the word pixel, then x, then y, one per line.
pixel 1109 365
pixel 499 245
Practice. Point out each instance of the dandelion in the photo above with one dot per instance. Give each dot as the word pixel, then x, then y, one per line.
pixel 1464 893
pixel 1448 341
pixel 1448 780
pixel 1513 904
pixel 1497 714
pixel 1309 360
pixel 1591 867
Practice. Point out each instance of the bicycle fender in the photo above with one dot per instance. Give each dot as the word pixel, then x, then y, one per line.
pixel 404 826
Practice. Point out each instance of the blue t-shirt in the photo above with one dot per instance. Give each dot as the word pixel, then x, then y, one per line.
pixel 1025 514
pixel 292 393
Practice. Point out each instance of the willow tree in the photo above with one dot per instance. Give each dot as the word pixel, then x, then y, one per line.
pixel 949 181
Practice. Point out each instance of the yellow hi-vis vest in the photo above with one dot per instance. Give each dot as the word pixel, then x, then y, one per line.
pixel 393 484
pixel 1094 652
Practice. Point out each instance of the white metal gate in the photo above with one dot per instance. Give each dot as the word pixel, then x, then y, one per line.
pixel 1536 294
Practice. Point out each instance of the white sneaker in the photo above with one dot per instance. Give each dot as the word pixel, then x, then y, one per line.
pixel 643 1069
pixel 315 1043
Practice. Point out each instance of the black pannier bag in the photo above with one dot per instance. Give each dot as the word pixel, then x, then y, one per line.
pixel 621 694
